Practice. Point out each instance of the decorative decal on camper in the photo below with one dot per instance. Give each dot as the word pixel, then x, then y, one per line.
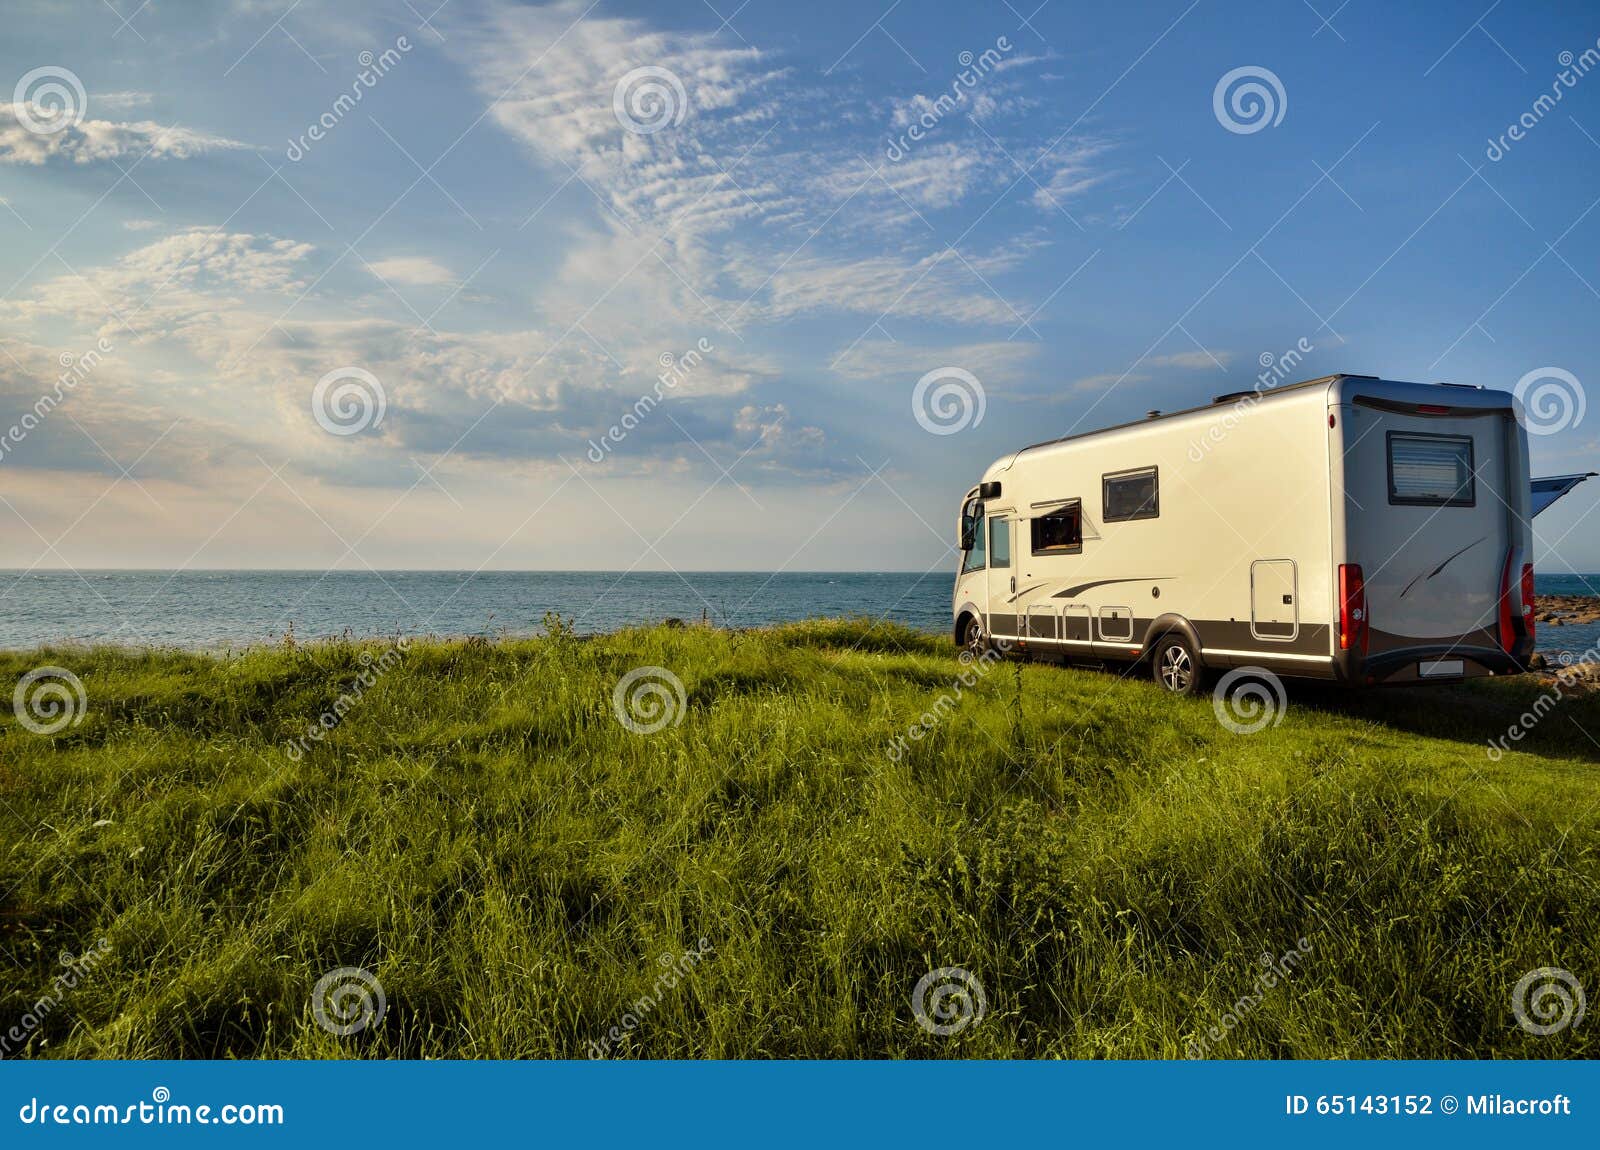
pixel 1443 565
pixel 1080 588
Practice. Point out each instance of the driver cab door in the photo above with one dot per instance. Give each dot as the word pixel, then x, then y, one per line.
pixel 1002 576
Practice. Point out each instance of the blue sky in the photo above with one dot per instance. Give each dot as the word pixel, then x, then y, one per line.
pixel 532 209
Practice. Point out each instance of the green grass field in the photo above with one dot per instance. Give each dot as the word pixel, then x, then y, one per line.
pixel 524 875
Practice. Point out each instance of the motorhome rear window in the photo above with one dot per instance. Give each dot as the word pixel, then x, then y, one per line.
pixel 1130 495
pixel 1431 470
pixel 1058 532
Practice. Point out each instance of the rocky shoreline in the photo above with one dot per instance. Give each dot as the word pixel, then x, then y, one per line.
pixel 1560 610
pixel 1573 670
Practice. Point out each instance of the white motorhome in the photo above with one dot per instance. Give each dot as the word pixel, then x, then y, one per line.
pixel 1346 528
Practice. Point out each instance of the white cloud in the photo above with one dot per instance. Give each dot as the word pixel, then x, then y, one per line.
pixel 1195 360
pixel 755 169
pixel 418 270
pixel 994 363
pixel 91 141
pixel 119 100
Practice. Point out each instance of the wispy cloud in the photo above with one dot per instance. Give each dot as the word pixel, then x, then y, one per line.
pixel 95 141
pixel 418 270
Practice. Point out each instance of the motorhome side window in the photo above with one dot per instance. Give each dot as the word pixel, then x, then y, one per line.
pixel 1129 495
pixel 999 543
pixel 1058 532
pixel 1431 470
pixel 976 550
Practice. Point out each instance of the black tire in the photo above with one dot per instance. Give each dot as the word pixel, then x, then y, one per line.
pixel 1176 667
pixel 974 640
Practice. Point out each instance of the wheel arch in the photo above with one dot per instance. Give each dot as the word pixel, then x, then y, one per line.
pixel 1169 624
pixel 964 613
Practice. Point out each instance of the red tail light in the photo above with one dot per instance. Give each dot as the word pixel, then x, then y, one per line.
pixel 1516 603
pixel 1352 609
pixel 1527 598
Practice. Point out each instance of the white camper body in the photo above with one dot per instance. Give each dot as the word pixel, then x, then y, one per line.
pixel 1346 528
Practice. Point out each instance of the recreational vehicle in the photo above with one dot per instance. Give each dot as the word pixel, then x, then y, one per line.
pixel 1347 528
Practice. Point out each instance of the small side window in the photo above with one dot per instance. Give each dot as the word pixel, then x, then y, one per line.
pixel 1059 532
pixel 1130 495
pixel 976 554
pixel 999 543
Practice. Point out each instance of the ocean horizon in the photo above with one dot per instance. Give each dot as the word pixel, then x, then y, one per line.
pixel 210 609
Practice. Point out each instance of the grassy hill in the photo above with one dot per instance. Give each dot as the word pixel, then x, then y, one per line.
pixel 526 876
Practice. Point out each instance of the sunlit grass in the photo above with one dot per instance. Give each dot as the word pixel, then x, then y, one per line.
pixel 484 835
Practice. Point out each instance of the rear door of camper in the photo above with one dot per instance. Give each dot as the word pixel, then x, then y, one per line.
pixel 1430 522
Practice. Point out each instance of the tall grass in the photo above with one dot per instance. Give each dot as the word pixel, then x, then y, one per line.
pixel 519 870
